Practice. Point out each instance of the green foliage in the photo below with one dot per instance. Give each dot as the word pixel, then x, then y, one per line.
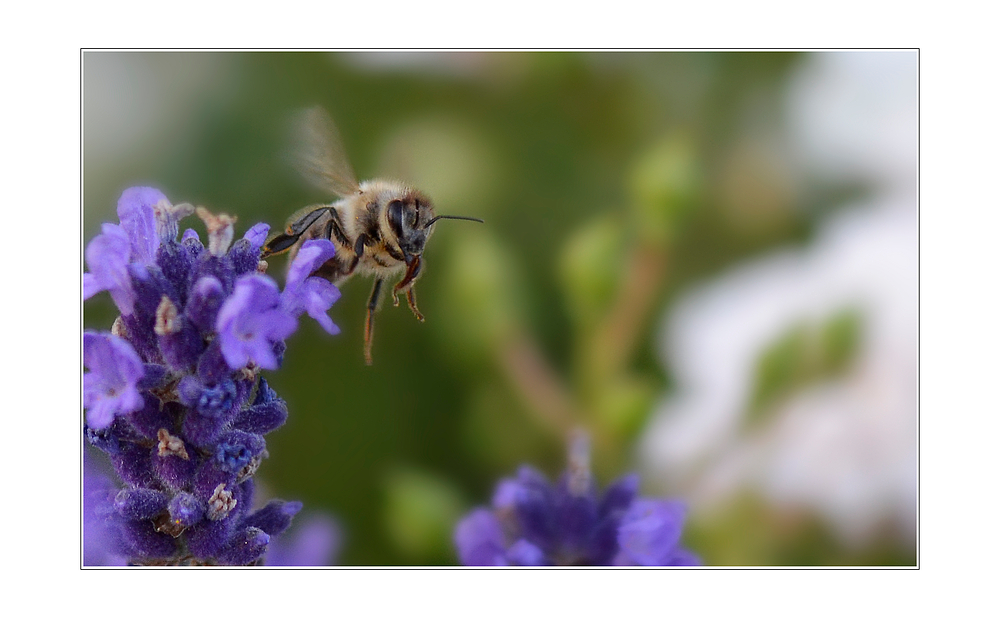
pixel 840 337
pixel 783 536
pixel 803 355
pixel 501 434
pixel 421 511
pixel 664 186
pixel 624 404
pixel 479 301
pixel 589 269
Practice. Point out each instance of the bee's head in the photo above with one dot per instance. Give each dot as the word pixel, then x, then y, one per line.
pixel 409 219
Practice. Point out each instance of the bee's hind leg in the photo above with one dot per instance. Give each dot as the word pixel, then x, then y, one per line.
pixel 370 319
pixel 412 271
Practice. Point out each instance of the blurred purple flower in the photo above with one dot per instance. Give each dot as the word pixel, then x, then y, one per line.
pixel 313 295
pixel 110 387
pixel 650 531
pixel 313 541
pixel 480 540
pixel 534 523
pixel 98 538
pixel 251 321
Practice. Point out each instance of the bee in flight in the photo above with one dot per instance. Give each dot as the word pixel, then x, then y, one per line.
pixel 379 227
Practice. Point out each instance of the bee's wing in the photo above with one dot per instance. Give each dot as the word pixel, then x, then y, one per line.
pixel 319 154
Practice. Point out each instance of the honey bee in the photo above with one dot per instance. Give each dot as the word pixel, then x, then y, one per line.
pixel 379 227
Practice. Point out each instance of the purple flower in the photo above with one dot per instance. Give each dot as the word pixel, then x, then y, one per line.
pixel 174 397
pixel 534 522
pixel 134 241
pixel 108 257
pixel 207 295
pixel 313 295
pixel 135 211
pixel 237 449
pixel 480 540
pixel 98 537
pixel 650 531
pixel 110 387
pixel 314 541
pixel 257 235
pixel 251 321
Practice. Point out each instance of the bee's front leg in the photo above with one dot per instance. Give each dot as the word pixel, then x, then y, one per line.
pixel 411 300
pixel 412 271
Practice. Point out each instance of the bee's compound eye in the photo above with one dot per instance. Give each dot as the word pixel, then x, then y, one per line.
pixel 395 215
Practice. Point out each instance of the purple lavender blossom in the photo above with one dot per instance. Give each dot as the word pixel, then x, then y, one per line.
pixel 314 541
pixel 650 531
pixel 174 395
pixel 251 321
pixel 313 295
pixel 257 235
pixel 108 257
pixel 136 211
pixel 145 214
pixel 110 388
pixel 534 523
pixel 97 538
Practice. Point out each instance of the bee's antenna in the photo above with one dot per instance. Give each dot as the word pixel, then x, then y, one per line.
pixel 453 217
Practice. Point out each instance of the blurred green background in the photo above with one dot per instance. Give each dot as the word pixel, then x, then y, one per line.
pixel 610 184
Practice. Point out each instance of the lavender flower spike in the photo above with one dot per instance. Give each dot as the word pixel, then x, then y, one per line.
pixel 534 522
pixel 174 397
pixel 110 387
pixel 313 295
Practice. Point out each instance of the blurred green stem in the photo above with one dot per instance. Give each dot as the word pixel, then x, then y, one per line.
pixel 614 340
pixel 606 354
pixel 537 383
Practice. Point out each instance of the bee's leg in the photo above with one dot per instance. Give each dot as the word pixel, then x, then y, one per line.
pixel 411 300
pixel 335 230
pixel 370 319
pixel 359 250
pixel 279 243
pixel 412 271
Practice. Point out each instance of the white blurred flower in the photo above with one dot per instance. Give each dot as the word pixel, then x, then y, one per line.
pixel 845 447
pixel 854 114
